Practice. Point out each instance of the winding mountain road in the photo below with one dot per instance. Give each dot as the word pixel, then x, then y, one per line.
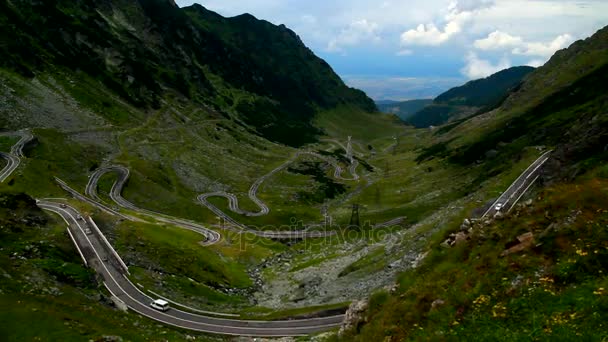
pixel 95 253
pixel 14 157
pixel 233 203
pixel 212 236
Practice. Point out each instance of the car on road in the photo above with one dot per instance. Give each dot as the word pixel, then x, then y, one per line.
pixel 160 305
pixel 79 218
pixel 498 207
pixel 88 231
pixel 62 205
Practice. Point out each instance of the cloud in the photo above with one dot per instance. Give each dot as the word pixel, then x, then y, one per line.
pixel 544 49
pixel 356 33
pixel 459 13
pixel 536 63
pixel 429 34
pixel 480 68
pixel 405 52
pixel 498 40
pixel 470 5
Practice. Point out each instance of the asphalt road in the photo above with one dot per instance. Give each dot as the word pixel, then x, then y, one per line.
pixel 212 236
pixel 234 207
pixel 511 196
pixel 123 173
pixel 94 251
pixel 14 157
pixel 11 166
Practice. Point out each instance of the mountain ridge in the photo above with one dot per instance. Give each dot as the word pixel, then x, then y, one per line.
pixel 475 96
pixel 161 47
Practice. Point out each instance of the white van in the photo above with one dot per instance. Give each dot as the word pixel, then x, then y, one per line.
pixel 160 305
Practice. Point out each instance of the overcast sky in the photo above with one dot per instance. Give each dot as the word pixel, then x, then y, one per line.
pixel 401 49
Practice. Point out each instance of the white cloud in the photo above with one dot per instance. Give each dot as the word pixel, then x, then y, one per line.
pixel 470 5
pixel 536 63
pixel 498 40
pixel 356 33
pixel 405 52
pixel 480 68
pixel 544 49
pixel 459 13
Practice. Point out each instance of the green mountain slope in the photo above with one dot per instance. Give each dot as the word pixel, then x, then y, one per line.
pixel 405 109
pixel 470 98
pixel 556 105
pixel 538 272
pixel 260 72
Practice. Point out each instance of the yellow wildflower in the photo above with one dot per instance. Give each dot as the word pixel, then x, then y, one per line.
pixel 546 280
pixel 482 300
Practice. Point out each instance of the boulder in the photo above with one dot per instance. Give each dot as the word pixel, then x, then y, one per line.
pixel 354 315
pixel 460 238
pixel 119 304
pixel 524 241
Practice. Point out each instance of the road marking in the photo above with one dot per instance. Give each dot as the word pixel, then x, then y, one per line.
pixel 522 194
pixel 125 293
pixel 103 238
pixel 193 309
pixel 515 182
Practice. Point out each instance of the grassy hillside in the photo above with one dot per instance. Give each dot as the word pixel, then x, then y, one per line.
pixel 474 97
pixel 573 106
pixel 139 50
pixel 538 273
pixel 188 102
pixel 43 281
pixel 552 289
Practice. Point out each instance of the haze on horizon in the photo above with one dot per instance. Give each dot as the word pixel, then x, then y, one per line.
pixel 420 48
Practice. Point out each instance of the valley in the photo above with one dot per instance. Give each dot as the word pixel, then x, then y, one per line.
pixel 218 164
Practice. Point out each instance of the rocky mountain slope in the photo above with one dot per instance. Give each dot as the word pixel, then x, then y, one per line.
pixel 260 73
pixel 473 97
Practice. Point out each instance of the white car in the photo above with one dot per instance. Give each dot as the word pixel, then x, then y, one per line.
pixel 498 207
pixel 160 305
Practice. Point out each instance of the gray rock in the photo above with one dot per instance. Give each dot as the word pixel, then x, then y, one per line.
pixel 354 315
pixel 119 304
pixel 437 303
pixel 109 338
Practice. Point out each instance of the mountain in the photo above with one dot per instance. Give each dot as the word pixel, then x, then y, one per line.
pixel 403 109
pixel 489 286
pixel 191 105
pixel 145 49
pixel 470 98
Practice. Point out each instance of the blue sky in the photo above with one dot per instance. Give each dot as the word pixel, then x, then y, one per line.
pixel 404 49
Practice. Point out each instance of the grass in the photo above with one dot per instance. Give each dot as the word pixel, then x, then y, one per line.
pixel 366 127
pixel 6 142
pixel 55 155
pixel 178 252
pixel 555 290
pixel 44 281
pixel 268 314
pixel 373 261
